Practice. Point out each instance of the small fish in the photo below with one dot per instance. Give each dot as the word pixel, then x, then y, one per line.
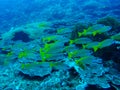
pixel 102 44
pixel 80 41
pixel 90 45
pixel 84 60
pixel 94 30
pixel 64 30
pixel 79 53
pixel 116 37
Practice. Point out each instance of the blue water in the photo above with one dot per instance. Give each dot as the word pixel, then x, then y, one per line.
pixel 14 13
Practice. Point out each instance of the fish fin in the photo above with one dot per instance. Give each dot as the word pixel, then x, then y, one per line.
pixel 71 41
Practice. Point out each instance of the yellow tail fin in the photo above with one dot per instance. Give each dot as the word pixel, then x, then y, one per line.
pixel 71 41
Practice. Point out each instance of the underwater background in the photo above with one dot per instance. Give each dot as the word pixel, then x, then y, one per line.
pixel 59 45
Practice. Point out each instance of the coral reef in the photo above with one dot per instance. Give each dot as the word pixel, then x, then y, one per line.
pixel 67 58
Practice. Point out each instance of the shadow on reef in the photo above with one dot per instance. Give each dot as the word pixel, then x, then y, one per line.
pixel 27 77
pixel 21 36
pixel 109 53
pixel 94 87
pixel 4 51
